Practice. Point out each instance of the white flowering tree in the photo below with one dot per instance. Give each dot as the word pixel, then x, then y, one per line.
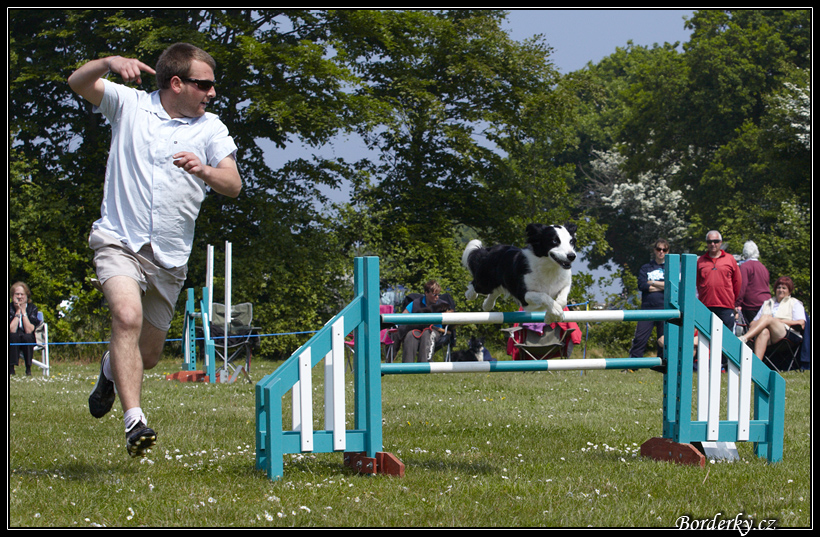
pixel 791 111
pixel 637 212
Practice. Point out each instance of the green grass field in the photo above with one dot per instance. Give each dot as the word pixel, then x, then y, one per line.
pixel 503 450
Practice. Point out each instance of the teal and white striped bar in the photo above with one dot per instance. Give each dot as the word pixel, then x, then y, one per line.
pixel 497 317
pixel 518 366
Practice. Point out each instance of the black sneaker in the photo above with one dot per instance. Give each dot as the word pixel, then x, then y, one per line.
pixel 139 439
pixel 102 396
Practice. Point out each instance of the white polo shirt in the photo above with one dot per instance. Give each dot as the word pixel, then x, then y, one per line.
pixel 146 198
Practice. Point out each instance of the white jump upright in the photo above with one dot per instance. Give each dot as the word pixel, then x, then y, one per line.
pixel 228 313
pixel 205 314
pixel 42 342
pixel 362 444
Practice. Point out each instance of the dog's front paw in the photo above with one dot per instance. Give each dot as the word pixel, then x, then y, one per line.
pixel 554 314
pixel 489 302
pixel 470 294
pixel 537 301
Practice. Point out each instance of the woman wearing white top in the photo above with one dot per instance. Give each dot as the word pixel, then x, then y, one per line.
pixel 776 317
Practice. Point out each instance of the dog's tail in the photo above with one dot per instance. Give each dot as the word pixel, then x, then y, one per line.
pixel 472 246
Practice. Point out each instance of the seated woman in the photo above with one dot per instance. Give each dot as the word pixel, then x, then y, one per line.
pixel 776 317
pixel 23 319
pixel 419 341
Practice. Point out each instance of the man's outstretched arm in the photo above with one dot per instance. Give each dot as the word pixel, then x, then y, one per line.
pixel 87 80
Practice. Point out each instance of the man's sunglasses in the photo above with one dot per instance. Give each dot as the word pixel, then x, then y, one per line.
pixel 204 85
pixel 711 241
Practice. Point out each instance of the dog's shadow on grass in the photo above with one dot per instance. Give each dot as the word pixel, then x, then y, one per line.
pixel 323 467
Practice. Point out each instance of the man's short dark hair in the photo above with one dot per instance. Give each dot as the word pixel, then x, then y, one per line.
pixel 176 61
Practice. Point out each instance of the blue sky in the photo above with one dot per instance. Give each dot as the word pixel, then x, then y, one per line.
pixel 578 36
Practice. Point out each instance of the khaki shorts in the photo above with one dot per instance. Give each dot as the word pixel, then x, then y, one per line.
pixel 160 286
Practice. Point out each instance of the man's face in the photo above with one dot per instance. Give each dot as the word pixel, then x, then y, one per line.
pixel 713 243
pixel 193 100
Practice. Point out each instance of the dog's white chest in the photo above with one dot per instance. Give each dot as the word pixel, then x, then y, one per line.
pixel 546 277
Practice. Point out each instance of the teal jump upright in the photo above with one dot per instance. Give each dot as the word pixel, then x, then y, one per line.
pixel 681 426
pixel 766 429
pixel 189 335
pixel 362 444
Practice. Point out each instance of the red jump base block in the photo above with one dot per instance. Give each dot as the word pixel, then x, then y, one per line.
pixel 188 376
pixel 383 463
pixel 663 449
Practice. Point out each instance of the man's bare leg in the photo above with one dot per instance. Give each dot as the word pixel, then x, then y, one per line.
pixel 136 345
pixel 124 298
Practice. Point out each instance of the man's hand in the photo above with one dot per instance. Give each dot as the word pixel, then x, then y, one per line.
pixel 130 69
pixel 224 178
pixel 87 80
pixel 190 163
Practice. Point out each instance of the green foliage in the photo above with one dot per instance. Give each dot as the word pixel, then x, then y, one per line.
pixel 725 122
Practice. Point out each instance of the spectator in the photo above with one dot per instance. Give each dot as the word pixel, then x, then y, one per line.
pixel 754 290
pixel 718 280
pixel 23 319
pixel 651 284
pixel 419 344
pixel 776 317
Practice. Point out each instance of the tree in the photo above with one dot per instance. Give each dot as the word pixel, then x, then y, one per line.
pixel 473 123
pixel 635 207
pixel 638 212
pixel 749 165
pixel 728 116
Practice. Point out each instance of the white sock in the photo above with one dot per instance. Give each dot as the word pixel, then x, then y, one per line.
pixel 107 371
pixel 132 417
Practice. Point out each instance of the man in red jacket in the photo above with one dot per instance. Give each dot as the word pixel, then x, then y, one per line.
pixel 719 280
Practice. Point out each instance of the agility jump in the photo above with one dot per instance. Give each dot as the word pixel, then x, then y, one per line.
pixel 749 379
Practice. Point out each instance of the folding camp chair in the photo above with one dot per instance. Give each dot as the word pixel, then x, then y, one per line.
pixel 242 338
pixel 785 354
pixel 538 341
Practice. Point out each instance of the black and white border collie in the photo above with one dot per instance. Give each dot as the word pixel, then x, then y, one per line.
pixel 474 352
pixel 538 276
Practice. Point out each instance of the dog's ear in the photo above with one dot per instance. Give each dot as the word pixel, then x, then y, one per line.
pixel 572 228
pixel 533 230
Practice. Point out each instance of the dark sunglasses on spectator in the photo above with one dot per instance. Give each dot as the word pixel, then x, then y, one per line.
pixel 712 241
pixel 204 85
pixel 662 249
